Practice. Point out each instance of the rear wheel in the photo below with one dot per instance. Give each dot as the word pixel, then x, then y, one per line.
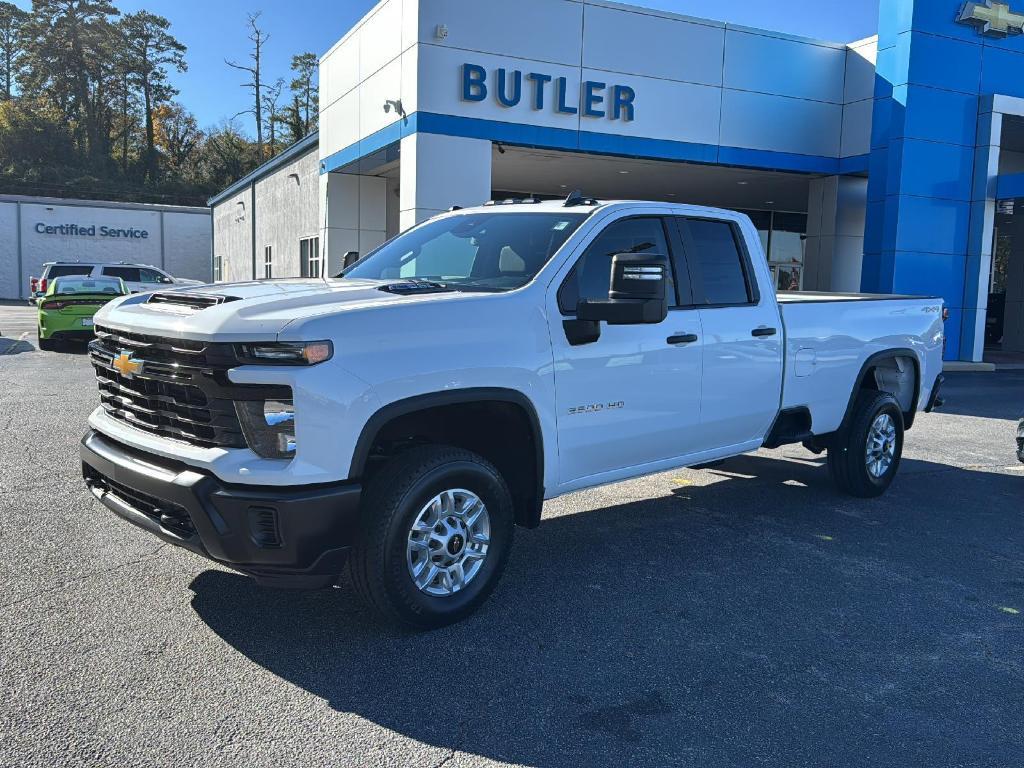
pixel 47 345
pixel 435 532
pixel 865 454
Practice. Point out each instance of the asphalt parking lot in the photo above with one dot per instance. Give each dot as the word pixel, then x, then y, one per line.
pixel 740 616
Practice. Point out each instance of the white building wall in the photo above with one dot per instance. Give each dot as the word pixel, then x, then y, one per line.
pixel 10 277
pixel 232 236
pixel 177 239
pixel 286 212
pixel 696 81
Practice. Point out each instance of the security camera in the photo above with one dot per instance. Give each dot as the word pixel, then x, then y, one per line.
pixel 395 104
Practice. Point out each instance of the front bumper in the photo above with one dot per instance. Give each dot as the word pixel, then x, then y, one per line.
pixel 295 537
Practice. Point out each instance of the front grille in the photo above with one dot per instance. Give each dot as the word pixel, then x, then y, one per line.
pixel 173 517
pixel 181 391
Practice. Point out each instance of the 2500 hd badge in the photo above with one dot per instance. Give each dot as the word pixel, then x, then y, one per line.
pixel 595 408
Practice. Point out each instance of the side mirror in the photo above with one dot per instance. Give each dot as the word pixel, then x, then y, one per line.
pixel 638 296
pixel 350 258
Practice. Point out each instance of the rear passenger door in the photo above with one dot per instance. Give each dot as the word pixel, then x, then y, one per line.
pixel 742 336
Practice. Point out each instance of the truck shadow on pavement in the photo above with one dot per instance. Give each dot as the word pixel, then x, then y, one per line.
pixel 761 618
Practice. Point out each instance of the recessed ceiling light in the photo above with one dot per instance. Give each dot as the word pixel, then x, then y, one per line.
pixel 743 183
pixel 769 202
pixel 623 172
pixel 564 186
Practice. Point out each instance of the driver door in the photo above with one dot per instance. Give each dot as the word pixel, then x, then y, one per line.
pixel 631 398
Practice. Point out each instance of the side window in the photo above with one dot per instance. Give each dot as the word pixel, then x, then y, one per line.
pixel 150 276
pixel 128 274
pixel 714 255
pixel 64 271
pixel 591 277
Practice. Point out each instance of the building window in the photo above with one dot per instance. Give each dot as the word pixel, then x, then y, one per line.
pixel 268 262
pixel 216 268
pixel 309 256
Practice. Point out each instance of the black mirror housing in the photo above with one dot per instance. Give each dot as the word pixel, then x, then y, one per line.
pixel 350 258
pixel 638 292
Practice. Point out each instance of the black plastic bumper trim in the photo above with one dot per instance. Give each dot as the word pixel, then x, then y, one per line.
pixel 315 525
pixel 934 401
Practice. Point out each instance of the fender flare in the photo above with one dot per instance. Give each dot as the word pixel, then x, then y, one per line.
pixel 398 408
pixel 871 362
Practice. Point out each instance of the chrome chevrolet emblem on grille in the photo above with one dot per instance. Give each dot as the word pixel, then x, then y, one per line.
pixel 124 364
pixel 991 18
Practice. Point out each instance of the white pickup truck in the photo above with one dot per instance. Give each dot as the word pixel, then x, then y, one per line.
pixel 403 418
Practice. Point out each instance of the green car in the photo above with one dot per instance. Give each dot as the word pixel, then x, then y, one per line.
pixel 67 307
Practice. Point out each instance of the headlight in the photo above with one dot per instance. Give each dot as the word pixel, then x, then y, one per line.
pixel 286 352
pixel 268 426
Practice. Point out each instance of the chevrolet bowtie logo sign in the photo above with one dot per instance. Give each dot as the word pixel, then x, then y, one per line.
pixel 992 18
pixel 126 366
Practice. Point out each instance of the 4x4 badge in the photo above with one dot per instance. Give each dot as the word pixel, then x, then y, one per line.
pixel 127 367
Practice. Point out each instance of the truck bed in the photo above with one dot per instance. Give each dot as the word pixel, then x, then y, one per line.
pixel 830 337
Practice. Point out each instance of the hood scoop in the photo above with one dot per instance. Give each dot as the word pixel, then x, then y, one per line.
pixel 188 301
pixel 413 287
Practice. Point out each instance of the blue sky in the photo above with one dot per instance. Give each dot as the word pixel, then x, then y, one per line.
pixel 215 29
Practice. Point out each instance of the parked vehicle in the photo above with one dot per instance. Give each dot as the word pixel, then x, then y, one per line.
pixel 407 416
pixel 66 309
pixel 138 277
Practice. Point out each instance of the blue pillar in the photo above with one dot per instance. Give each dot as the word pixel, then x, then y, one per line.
pixel 924 134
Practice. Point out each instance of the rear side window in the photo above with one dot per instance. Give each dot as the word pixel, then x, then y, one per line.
pixel 591 277
pixel 63 270
pixel 128 274
pixel 714 255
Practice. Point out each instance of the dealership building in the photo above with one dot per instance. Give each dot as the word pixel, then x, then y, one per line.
pixel 891 164
pixel 36 230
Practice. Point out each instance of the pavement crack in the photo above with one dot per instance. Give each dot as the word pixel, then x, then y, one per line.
pixel 84 577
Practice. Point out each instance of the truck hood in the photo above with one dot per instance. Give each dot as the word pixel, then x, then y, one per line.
pixel 251 311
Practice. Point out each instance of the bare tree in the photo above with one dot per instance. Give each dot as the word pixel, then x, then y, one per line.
pixel 259 39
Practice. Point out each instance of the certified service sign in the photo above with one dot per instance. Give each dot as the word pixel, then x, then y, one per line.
pixel 991 18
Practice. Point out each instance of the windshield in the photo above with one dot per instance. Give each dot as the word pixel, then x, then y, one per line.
pixel 66 286
pixel 472 251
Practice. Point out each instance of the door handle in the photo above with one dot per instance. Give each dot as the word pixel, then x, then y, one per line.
pixel 763 332
pixel 682 338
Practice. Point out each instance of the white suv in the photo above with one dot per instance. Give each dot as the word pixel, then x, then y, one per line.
pixel 138 277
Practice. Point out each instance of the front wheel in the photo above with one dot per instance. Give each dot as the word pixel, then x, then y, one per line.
pixel 435 532
pixel 864 455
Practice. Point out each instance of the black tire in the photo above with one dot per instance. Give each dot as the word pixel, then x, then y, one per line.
pixel 46 345
pixel 847 454
pixel 394 498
